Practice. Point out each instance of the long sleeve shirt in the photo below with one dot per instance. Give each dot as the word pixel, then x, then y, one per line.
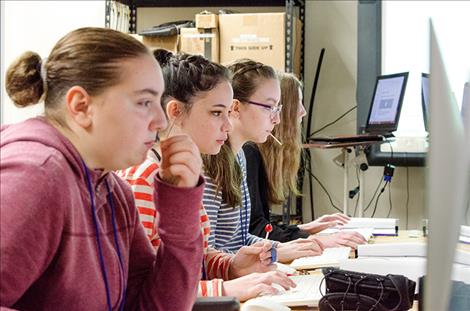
pixel 260 209
pixel 215 264
pixel 229 224
pixel 50 259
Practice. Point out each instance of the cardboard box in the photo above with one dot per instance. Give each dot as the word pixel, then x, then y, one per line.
pixel 169 43
pixel 206 20
pixel 258 36
pixel 200 42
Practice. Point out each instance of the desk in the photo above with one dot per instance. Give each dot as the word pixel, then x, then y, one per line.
pixel 402 237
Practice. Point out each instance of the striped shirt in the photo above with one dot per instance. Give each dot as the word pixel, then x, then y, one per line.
pixel 229 225
pixel 216 264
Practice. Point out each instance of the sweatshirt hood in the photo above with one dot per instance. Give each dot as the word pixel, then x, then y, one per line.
pixel 41 131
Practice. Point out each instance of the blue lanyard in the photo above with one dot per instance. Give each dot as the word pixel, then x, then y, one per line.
pixel 98 241
pixel 243 223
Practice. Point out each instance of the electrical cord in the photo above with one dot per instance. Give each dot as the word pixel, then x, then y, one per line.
pixel 307 157
pixel 359 193
pixel 324 189
pixel 389 200
pixel 333 122
pixel 378 197
pixel 407 194
pixel 375 193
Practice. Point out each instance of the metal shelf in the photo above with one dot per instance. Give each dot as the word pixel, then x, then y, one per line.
pixel 199 3
pixel 288 4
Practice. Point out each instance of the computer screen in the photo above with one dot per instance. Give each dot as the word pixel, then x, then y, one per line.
pixel 425 98
pixel 386 99
pixel 447 181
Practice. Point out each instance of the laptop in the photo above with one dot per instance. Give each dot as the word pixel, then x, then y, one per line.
pixel 425 98
pixel 384 111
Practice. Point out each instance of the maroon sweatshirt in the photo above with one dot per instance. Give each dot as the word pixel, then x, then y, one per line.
pixel 49 258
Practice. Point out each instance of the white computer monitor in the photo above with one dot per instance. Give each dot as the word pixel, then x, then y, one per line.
pixel 447 181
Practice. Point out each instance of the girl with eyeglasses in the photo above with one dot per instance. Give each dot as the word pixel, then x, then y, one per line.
pixel 197 99
pixel 254 114
pixel 272 175
pixel 70 234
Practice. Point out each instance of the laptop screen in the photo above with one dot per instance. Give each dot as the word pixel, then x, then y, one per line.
pixel 386 104
pixel 425 98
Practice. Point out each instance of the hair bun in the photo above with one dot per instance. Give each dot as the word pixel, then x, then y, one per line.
pixel 24 84
pixel 162 56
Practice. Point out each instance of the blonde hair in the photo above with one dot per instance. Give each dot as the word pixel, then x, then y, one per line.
pixel 282 162
pixel 247 75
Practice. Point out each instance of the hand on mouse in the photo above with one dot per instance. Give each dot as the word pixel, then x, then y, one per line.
pixel 255 284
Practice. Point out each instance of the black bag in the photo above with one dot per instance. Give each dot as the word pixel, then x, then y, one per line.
pixel 349 290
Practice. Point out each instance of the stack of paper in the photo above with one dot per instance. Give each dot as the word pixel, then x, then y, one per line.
pixel 378 226
pixel 464 234
pixel 331 257
pixel 406 249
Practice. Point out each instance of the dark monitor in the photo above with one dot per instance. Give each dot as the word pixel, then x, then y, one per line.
pixel 387 100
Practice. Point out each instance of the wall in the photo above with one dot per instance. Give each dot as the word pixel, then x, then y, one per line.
pixel 333 25
pixel 37 26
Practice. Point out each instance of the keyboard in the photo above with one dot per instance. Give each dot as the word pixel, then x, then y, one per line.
pixel 330 258
pixel 307 292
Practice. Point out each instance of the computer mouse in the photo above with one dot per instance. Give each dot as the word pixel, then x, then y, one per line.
pixel 263 304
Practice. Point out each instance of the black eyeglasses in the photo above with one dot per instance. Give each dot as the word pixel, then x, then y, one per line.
pixel 274 110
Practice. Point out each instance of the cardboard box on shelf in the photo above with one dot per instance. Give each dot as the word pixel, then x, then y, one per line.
pixel 201 42
pixel 169 43
pixel 206 19
pixel 258 36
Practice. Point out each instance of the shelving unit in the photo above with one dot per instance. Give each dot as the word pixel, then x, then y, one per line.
pixel 290 10
pixel 289 5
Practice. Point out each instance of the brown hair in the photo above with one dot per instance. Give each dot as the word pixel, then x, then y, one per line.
pixel 281 163
pixel 247 75
pixel 88 57
pixel 188 75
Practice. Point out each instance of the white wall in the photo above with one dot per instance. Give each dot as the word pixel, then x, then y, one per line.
pixel 37 26
pixel 333 25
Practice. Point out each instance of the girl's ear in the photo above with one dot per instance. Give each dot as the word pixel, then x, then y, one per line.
pixel 173 109
pixel 235 109
pixel 79 107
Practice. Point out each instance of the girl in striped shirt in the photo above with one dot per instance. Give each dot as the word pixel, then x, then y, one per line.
pixel 255 112
pixel 197 98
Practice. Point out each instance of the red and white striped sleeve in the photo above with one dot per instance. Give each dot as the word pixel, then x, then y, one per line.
pixel 141 179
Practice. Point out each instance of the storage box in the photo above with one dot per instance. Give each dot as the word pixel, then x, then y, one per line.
pixel 258 36
pixel 206 20
pixel 200 42
pixel 169 43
